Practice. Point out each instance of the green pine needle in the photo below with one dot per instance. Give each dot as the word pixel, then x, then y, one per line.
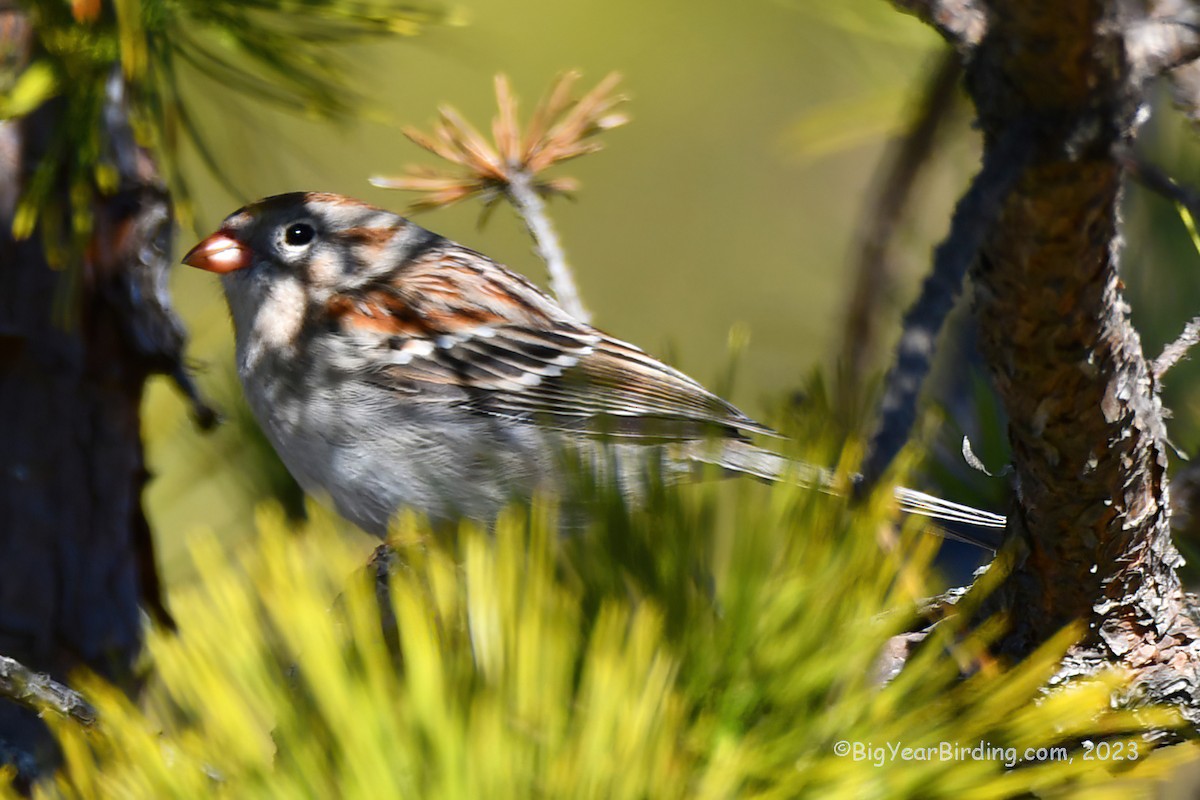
pixel 663 653
pixel 283 52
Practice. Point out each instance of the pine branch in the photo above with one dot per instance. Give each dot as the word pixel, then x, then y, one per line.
pixel 38 691
pixel 511 165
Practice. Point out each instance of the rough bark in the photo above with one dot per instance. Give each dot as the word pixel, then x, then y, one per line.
pixel 1091 525
pixel 77 344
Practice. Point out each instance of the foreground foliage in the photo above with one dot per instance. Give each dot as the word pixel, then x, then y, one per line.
pixel 602 664
pixel 127 71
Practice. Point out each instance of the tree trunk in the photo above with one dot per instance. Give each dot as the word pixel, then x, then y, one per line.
pixel 77 343
pixel 1091 521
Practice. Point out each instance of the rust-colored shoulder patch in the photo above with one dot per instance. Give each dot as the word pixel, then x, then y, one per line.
pixel 382 312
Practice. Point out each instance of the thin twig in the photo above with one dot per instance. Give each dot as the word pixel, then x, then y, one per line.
pixel 532 210
pixel 875 266
pixel 961 22
pixel 37 691
pixel 1173 353
pixel 1166 41
pixel 1157 45
pixel 1003 164
pixel 1159 182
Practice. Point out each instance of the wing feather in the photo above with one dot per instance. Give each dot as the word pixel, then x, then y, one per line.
pixel 488 338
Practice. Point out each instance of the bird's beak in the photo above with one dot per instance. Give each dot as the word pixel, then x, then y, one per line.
pixel 219 253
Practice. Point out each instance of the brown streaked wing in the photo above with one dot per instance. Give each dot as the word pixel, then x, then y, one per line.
pixel 618 389
pixel 456 319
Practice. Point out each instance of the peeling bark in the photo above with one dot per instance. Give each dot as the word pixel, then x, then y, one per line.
pixel 1091 527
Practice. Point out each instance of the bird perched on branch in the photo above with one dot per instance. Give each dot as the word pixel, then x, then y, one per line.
pixel 392 367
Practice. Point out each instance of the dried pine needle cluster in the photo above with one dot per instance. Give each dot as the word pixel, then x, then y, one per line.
pixel 561 128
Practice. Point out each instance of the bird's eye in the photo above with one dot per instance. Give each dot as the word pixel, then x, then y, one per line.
pixel 299 234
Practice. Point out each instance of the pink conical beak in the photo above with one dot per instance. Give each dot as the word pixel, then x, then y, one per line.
pixel 219 253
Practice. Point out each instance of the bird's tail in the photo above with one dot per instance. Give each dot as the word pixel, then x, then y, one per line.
pixel 954 520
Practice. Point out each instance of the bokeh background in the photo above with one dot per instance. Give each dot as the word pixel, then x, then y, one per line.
pixel 733 201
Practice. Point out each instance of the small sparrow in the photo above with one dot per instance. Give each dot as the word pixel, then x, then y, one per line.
pixel 391 367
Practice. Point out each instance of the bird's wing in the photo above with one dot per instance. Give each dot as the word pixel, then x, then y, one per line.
pixel 457 327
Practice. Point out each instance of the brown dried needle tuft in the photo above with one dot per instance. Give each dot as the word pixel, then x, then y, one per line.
pixel 512 165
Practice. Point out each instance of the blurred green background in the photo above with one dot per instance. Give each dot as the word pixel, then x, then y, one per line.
pixel 733 199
